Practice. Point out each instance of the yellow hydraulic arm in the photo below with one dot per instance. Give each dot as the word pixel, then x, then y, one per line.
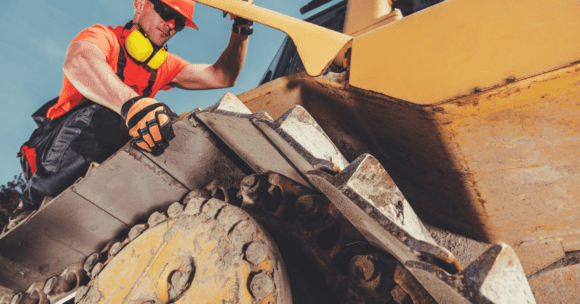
pixel 316 45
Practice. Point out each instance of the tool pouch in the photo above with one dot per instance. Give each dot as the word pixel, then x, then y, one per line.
pixel 32 150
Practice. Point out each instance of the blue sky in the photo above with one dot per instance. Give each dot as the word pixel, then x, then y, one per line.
pixel 36 33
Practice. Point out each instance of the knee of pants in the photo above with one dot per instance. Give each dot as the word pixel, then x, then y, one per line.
pixel 42 184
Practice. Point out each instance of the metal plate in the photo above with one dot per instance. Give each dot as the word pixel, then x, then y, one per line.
pixel 130 187
pixel 76 223
pixel 196 156
pixel 45 255
pixel 240 134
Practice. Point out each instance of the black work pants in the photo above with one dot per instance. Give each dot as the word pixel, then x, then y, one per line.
pixel 88 133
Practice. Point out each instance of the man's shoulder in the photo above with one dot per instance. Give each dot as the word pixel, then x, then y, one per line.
pixel 101 36
pixel 98 29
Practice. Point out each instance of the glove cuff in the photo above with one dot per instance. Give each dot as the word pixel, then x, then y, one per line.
pixel 127 106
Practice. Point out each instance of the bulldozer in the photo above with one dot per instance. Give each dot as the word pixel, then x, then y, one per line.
pixel 393 153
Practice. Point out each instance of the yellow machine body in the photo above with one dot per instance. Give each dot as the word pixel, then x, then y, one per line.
pixel 472 107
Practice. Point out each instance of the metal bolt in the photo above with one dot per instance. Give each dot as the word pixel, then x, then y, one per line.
pixel 255 253
pixel 307 205
pixel 364 272
pixel 261 285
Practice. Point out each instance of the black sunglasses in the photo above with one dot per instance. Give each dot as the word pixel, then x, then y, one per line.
pixel 167 14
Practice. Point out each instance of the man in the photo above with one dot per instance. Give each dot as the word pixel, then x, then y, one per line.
pixel 110 78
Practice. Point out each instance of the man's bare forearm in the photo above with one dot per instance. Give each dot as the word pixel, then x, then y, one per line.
pixel 232 59
pixel 86 68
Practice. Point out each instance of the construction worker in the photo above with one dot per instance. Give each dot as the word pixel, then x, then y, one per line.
pixel 110 78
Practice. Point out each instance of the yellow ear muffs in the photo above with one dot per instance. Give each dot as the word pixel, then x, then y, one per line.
pixel 157 60
pixel 141 49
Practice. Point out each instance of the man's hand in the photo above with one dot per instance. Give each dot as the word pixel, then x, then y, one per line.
pixel 149 123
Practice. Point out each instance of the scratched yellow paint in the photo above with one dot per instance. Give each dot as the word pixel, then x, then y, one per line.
pixel 140 272
pixel 119 276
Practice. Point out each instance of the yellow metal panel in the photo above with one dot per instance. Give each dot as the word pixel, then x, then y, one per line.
pixel 460 46
pixel 317 46
pixel 363 13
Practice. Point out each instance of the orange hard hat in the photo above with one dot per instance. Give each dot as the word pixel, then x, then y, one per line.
pixel 185 8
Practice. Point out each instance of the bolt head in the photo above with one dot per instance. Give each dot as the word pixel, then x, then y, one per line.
pixel 261 285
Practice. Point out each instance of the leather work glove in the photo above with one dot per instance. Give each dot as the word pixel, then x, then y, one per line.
pixel 149 123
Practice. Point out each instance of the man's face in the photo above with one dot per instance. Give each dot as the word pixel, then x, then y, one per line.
pixel 149 20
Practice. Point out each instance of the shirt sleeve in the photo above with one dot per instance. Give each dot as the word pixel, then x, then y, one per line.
pixel 172 66
pixel 104 39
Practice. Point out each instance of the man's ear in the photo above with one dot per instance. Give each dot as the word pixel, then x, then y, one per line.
pixel 139 6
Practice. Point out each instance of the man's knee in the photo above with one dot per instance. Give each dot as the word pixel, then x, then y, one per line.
pixel 43 184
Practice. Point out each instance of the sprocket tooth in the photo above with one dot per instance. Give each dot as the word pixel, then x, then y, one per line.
pixel 97 269
pixel 72 277
pixel 91 261
pixel 137 230
pixel 174 210
pixel 193 205
pixel 212 208
pixel 115 249
pixel 81 292
pixel 156 218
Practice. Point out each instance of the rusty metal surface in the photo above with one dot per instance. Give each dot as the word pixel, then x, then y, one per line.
pixel 558 283
pixel 469 165
pixel 368 197
pixel 365 194
pixel 379 211
pixel 557 286
pixel 495 277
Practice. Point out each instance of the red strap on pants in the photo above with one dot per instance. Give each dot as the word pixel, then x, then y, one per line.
pixel 30 155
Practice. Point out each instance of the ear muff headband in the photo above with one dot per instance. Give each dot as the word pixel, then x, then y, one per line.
pixel 141 49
